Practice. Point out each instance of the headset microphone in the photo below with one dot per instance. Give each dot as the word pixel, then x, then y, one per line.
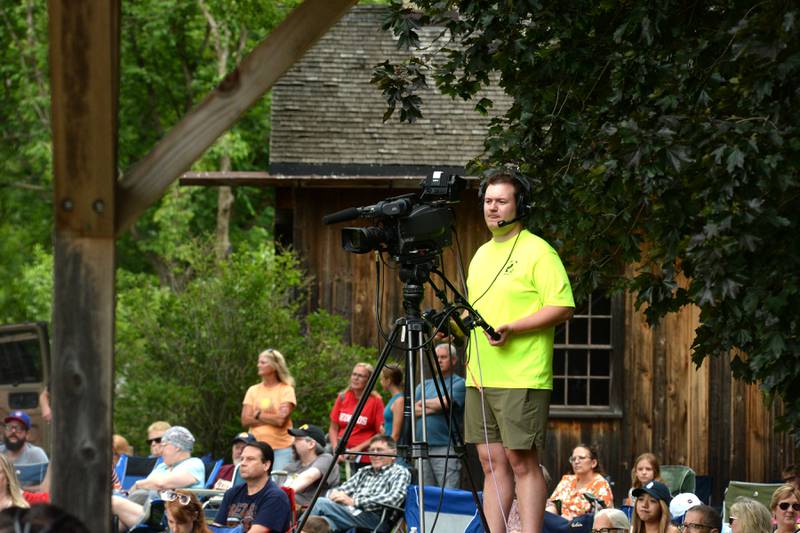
pixel 507 222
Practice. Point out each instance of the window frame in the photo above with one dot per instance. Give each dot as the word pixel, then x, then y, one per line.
pixel 616 368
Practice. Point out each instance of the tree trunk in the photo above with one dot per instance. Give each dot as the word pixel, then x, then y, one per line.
pixel 224 209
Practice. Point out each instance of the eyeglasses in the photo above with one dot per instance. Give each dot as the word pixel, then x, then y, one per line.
pixel 13 428
pixel 156 440
pixel 731 520
pixel 171 496
pixel 694 527
pixel 577 458
pixel 785 505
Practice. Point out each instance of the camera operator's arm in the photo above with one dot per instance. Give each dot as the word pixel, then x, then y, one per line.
pixel 547 316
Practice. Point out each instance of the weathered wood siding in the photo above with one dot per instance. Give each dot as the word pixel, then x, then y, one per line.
pixel 697 417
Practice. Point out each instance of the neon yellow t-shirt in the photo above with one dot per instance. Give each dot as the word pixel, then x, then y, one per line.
pixel 531 278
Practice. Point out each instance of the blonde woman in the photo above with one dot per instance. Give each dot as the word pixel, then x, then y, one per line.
pixel 10 491
pixel 749 516
pixel 785 506
pixel 267 406
pixel 370 422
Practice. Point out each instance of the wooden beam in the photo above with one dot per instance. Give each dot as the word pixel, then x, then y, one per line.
pixel 258 72
pixel 84 75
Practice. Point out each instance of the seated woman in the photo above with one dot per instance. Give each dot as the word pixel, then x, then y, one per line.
pixel 645 469
pixel 785 506
pixel 184 512
pixel 587 479
pixel 10 491
pixel 749 516
pixel 651 513
pixel 178 470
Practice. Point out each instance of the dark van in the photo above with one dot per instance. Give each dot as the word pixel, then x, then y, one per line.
pixel 24 374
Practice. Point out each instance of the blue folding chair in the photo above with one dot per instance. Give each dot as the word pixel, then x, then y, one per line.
pixel 121 467
pixel 30 475
pixel 212 469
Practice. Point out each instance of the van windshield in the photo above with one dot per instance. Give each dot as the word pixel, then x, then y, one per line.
pixel 20 360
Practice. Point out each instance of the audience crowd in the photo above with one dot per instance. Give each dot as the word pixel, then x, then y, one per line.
pixel 276 469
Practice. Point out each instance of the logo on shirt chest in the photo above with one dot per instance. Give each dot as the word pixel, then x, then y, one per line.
pixel 510 266
pixel 345 418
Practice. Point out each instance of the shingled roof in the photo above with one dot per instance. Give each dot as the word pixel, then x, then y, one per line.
pixel 326 114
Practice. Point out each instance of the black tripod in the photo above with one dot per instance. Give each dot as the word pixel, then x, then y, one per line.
pixel 408 334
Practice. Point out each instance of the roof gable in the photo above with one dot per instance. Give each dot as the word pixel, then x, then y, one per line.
pixel 325 112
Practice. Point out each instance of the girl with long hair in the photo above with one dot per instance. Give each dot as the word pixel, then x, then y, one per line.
pixel 646 468
pixel 651 512
pixel 267 406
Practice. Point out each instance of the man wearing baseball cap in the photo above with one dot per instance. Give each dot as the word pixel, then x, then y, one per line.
pixel 15 445
pixel 310 464
pixel 224 479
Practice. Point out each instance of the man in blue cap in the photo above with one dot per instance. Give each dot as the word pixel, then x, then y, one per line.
pixel 15 445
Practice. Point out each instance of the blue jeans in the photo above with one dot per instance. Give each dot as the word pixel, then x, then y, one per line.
pixel 340 518
pixel 283 456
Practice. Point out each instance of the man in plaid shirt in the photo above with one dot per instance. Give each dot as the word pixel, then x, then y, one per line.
pixel 357 502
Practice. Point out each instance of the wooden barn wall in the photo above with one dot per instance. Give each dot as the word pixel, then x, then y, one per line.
pixel 698 417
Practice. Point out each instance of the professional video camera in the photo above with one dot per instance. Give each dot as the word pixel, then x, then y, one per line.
pixel 410 227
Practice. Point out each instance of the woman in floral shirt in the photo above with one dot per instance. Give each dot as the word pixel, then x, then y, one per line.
pixel 586 479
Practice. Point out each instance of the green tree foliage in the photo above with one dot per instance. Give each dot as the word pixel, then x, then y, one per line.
pixel 662 137
pixel 188 355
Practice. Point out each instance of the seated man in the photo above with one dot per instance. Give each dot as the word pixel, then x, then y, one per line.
pixel 311 462
pixel 259 505
pixel 19 451
pixel 179 470
pixel 702 518
pixel 224 479
pixel 357 503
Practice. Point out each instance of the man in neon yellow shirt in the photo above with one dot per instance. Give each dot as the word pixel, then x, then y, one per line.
pixel 518 284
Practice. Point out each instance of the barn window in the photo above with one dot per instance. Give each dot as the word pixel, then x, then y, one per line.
pixel 586 359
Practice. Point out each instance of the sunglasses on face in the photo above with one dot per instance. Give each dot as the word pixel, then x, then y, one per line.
pixel 785 506
pixel 171 496
pixel 156 440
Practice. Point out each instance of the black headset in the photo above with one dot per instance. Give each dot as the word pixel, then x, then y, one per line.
pixel 522 197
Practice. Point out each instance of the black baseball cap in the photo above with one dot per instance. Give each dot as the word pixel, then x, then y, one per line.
pixel 656 489
pixel 309 430
pixel 245 437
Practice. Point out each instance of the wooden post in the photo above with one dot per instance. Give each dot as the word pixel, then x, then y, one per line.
pixel 84 63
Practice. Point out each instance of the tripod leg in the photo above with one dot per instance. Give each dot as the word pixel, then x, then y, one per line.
pixel 455 433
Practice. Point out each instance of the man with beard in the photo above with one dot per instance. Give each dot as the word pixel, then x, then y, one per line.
pixel 305 473
pixel 15 445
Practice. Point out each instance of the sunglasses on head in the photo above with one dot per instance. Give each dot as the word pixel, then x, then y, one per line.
pixel 785 505
pixel 171 496
pixel 157 440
